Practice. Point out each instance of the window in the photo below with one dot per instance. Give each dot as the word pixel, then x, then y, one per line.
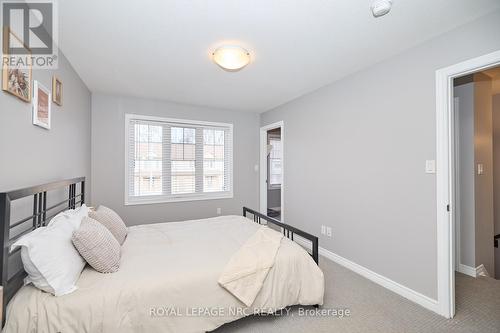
pixel 177 160
pixel 213 160
pixel 183 147
pixel 147 173
pixel 275 162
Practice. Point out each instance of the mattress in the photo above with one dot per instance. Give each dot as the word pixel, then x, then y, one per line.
pixel 167 282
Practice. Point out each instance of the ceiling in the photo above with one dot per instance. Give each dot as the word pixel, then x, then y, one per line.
pixel 161 49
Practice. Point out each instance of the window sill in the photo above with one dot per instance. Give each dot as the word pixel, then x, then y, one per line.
pixel 161 200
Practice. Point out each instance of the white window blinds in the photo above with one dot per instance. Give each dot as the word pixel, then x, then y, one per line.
pixel 177 160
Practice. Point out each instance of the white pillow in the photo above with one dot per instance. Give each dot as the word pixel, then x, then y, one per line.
pixel 49 257
pixel 78 214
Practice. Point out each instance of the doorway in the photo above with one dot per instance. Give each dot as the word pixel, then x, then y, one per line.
pixel 271 170
pixel 446 175
pixel 477 172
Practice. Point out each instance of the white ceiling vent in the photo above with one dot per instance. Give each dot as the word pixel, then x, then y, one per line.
pixel 381 7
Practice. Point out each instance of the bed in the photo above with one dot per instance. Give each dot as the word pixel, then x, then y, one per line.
pixel 168 277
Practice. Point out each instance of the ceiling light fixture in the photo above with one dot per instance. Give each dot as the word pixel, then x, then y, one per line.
pixel 381 7
pixel 231 58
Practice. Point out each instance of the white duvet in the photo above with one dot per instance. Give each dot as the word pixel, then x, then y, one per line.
pixel 167 282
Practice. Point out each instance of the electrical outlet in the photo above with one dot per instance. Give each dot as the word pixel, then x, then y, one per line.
pixel 329 231
pixel 323 230
pixel 219 211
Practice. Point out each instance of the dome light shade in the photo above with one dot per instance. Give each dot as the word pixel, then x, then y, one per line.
pixel 381 7
pixel 231 58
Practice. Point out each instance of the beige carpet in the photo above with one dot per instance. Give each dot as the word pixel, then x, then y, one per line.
pixel 375 309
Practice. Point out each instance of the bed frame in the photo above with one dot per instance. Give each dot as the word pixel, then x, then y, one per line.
pixel 288 230
pixel 13 281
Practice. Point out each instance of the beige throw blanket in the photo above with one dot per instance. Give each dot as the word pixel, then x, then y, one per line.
pixel 244 274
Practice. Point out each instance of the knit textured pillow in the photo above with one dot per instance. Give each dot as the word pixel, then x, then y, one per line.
pixel 97 246
pixel 112 221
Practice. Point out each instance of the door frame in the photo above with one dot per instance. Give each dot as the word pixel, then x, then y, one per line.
pixel 445 174
pixel 263 167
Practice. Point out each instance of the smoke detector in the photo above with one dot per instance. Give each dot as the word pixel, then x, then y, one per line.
pixel 381 7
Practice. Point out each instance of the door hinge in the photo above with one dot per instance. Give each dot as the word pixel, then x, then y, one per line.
pixel 448 207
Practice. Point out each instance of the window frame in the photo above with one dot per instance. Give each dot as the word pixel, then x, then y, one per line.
pixel 182 197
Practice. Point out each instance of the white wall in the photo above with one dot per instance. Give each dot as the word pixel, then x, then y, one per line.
pixel 108 159
pixel 465 174
pixel 355 157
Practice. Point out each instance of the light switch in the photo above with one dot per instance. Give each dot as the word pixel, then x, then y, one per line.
pixel 256 168
pixel 480 168
pixel 430 166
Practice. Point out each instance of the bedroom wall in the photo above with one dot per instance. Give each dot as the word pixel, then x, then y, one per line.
pixel 32 155
pixel 108 159
pixel 465 126
pixel 371 133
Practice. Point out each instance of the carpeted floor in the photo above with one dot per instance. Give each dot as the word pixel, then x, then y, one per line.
pixel 376 309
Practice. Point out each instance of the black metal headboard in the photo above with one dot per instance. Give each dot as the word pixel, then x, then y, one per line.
pixel 13 281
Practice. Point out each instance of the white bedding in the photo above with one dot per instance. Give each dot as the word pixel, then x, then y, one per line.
pixel 167 282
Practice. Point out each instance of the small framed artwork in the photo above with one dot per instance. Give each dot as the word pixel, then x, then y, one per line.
pixel 57 90
pixel 41 105
pixel 16 79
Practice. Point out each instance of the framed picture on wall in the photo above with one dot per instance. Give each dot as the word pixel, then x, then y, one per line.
pixel 41 105
pixel 57 90
pixel 16 75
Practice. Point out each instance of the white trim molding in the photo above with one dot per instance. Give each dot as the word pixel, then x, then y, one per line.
pixel 445 174
pixel 467 270
pixel 473 272
pixel 481 271
pixel 408 293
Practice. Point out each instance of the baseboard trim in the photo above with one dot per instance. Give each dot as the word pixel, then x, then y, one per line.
pixel 410 294
pixel 481 271
pixel 467 270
